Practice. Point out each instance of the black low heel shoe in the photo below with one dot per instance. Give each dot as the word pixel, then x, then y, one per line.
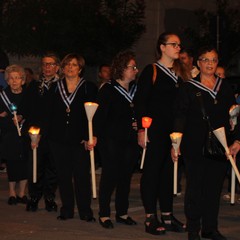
pixel 106 224
pixel 88 218
pixel 153 226
pixel 174 225
pixel 50 205
pixel 12 201
pixel 22 200
pixel 63 218
pixel 214 235
pixel 127 221
pixel 32 204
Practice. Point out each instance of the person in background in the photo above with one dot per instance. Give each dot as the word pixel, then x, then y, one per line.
pixel 186 58
pixel 155 98
pixel 104 74
pixel 67 126
pixel 35 105
pixel 29 76
pixel 13 148
pixel 204 176
pixel 115 128
pixel 220 71
pixel 190 71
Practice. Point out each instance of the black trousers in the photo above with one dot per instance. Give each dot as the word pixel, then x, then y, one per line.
pixel 157 178
pixel 118 162
pixel 204 181
pixel 46 184
pixel 73 172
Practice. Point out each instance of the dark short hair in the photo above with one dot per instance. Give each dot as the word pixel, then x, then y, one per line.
pixel 188 51
pixel 120 63
pixel 104 65
pixel 53 56
pixel 204 49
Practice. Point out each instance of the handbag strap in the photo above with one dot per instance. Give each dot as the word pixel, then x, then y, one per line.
pixel 204 113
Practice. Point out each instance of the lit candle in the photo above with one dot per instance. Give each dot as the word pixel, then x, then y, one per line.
pixel 146 123
pixel 90 108
pixel 176 138
pixel 221 136
pixel 34 135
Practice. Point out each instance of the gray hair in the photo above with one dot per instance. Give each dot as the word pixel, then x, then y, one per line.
pixel 15 68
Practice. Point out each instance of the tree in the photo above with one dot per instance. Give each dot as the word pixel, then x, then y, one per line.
pixel 220 29
pixel 97 29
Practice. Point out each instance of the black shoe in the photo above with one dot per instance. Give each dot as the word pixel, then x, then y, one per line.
pixel 214 235
pixel 88 218
pixel 63 218
pixel 22 200
pixel 193 236
pixel 127 221
pixel 153 226
pixel 32 204
pixel 50 205
pixel 106 224
pixel 12 201
pixel 174 226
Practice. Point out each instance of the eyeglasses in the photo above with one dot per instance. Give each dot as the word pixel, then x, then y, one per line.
pixel 72 65
pixel 44 64
pixel 15 78
pixel 134 68
pixel 173 44
pixel 207 60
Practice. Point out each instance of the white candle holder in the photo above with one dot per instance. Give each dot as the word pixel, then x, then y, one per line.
pixel 34 135
pixel 90 108
pixel 176 138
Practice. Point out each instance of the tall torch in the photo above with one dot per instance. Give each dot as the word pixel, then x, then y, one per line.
pixel 221 136
pixel 146 123
pixel 233 112
pixel 90 108
pixel 176 138
pixel 34 135
pixel 13 108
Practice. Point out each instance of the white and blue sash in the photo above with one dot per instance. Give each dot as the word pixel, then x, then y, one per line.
pixel 213 92
pixel 68 99
pixel 168 72
pixel 5 99
pixel 128 95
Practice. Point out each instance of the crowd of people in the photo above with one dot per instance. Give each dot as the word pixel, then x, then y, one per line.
pixel 172 91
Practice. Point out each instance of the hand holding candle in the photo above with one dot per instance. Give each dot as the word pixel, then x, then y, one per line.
pixel 176 138
pixel 146 123
pixel 221 136
pixel 234 112
pixel 13 109
pixel 90 109
pixel 35 137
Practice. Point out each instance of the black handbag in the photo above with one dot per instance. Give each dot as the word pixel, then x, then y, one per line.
pixel 212 148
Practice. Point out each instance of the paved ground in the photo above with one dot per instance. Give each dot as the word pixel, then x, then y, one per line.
pixel 17 224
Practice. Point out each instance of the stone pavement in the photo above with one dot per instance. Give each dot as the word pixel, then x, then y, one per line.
pixel 17 224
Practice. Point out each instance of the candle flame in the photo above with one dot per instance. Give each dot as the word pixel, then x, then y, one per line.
pixel 146 122
pixel 90 104
pixel 175 136
pixel 34 130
